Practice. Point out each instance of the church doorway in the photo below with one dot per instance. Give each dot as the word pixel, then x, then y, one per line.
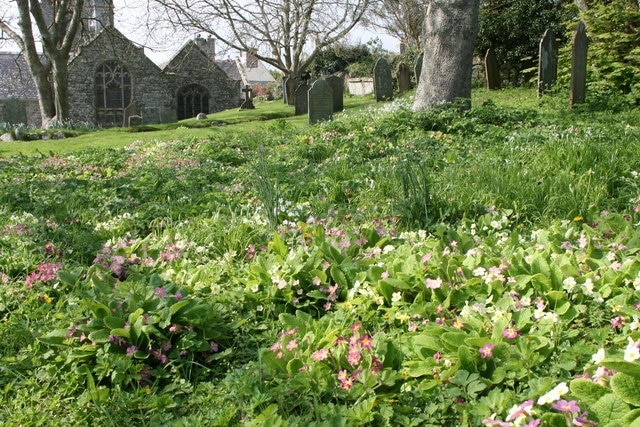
pixel 192 100
pixel 113 93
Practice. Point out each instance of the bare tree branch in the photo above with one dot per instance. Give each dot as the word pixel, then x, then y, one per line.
pixel 286 34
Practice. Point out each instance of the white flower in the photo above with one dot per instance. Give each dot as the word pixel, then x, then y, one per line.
pixel 632 352
pixel 568 284
pixel 598 357
pixel 587 286
pixel 554 395
pixel 397 296
pixel 635 324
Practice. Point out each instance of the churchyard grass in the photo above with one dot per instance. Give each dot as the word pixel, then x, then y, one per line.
pixel 441 268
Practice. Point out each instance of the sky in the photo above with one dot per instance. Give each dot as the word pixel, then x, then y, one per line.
pixel 130 16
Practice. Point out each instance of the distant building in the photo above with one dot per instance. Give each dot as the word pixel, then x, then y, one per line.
pixel 110 78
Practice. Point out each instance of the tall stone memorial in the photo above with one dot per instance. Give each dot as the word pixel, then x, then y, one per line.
pixel 547 62
pixel 417 67
pixel 579 66
pixel 320 102
pixel 491 70
pixel 302 99
pixel 404 77
pixel 336 83
pixel 382 80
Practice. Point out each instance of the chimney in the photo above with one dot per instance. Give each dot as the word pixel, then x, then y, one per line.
pixel 207 45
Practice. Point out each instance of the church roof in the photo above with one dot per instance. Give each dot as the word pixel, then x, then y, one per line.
pixel 230 67
pixel 15 78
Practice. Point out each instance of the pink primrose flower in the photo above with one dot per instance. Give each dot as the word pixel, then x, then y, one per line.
pixel 486 350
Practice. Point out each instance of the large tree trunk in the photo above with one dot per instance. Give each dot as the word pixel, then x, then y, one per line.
pixel 451 27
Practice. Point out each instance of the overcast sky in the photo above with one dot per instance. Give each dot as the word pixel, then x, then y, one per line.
pixel 130 16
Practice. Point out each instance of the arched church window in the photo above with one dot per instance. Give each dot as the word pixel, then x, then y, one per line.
pixel 113 93
pixel 192 100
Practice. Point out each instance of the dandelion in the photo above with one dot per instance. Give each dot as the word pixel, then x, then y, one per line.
pixel 486 350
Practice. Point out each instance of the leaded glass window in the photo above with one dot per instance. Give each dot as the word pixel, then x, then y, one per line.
pixel 113 93
pixel 192 100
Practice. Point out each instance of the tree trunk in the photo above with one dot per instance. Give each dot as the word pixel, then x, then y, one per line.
pixel 60 76
pixel 451 27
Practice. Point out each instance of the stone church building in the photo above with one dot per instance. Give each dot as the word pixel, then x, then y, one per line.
pixel 110 79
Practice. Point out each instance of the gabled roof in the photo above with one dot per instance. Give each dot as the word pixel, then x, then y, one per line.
pixel 15 78
pixel 230 67
pixel 255 75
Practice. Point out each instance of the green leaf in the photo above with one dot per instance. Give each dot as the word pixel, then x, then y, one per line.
pixel 416 369
pixel 179 305
pixel 99 336
pixel 628 368
pixel 632 419
pixel 627 388
pixel 467 357
pixel 587 391
pixel 609 408
pixel 338 276
pixel 453 340
pixel 112 322
pixel 68 278
pixel 553 420
pixel 121 332
pixel 426 341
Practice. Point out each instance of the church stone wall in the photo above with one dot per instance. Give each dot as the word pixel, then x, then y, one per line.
pixel 191 65
pixel 149 84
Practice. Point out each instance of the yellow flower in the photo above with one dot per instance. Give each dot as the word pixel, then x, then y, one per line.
pixel 47 298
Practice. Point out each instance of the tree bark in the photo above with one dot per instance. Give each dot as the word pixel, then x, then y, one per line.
pixel 451 27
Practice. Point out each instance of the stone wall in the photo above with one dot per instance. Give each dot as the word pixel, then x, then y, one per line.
pixel 18 111
pixel 192 66
pixel 149 84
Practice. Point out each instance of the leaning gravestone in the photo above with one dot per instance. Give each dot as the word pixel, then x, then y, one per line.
pixel 336 83
pixel 302 99
pixel 547 62
pixel 579 66
pixel 320 102
pixel 417 67
pixel 382 81
pixel 491 70
pixel 404 78
pixel 130 110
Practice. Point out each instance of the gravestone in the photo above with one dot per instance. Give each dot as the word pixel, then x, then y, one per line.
pixel 135 121
pixel 417 67
pixel 130 110
pixel 404 78
pixel 201 116
pixel 247 104
pixel 547 62
pixel 382 80
pixel 336 83
pixel 492 73
pixel 579 66
pixel 302 99
pixel 19 133
pixel 320 102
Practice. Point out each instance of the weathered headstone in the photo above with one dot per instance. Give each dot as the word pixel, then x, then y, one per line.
pixel 417 68
pixel 492 73
pixel 547 62
pixel 130 110
pixel 247 104
pixel 336 83
pixel 320 102
pixel 58 135
pixel 135 121
pixel 579 66
pixel 302 99
pixel 382 80
pixel 19 133
pixel 201 116
pixel 404 78
pixel 44 135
